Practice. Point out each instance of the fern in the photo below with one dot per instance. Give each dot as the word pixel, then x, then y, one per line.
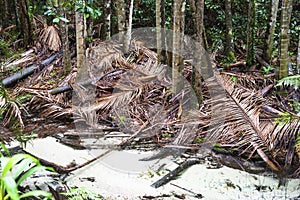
pixel 293 81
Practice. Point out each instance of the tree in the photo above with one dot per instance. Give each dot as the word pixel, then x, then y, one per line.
pixel 107 19
pixel 64 38
pixel 268 50
pixel 287 6
pixel 121 16
pixel 251 39
pixel 177 64
pixel 197 9
pixel 158 21
pixel 229 45
pixel 80 35
pixel 298 56
pixel 129 28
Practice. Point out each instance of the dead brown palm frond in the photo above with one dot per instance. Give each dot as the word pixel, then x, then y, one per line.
pixel 49 37
pixel 46 106
pixel 10 110
pixel 239 125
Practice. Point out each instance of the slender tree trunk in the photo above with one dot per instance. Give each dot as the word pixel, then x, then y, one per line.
pixel 25 22
pixel 5 13
pixel 121 17
pixel 158 28
pixel 198 8
pixel 107 19
pixel 65 40
pixel 176 59
pixel 128 33
pixel 199 20
pixel 286 13
pixel 80 37
pixel 268 51
pixel 229 46
pixel 298 56
pixel 251 39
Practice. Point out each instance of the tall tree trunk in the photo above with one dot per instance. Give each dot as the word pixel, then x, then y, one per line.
pixel 177 65
pixel 196 74
pixel 268 50
pixel 199 20
pixel 229 51
pixel 65 39
pixel 107 27
pixel 121 17
pixel 25 22
pixel 298 56
pixel 158 20
pixel 128 33
pixel 80 37
pixel 286 13
pixel 5 13
pixel 251 39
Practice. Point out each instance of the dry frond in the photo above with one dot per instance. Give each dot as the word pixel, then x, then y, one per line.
pixel 10 110
pixel 238 124
pixel 49 37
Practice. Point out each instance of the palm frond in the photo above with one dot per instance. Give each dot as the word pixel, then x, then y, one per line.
pixel 239 124
pixel 49 37
pixel 11 110
pixel 293 81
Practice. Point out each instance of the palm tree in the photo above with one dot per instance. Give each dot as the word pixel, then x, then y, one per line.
pixel 287 6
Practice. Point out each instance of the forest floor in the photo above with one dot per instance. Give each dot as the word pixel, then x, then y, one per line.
pixel 123 152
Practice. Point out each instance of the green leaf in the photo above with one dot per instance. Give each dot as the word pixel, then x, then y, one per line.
pixel 5 149
pixel 56 20
pixel 23 165
pixel 11 187
pixel 32 171
pixel 80 10
pixel 16 159
pixel 64 19
pixel 37 193
pixel 86 15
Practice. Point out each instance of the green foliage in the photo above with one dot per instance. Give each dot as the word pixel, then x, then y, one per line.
pixel 267 70
pixel 14 171
pixel 87 9
pixel 293 81
pixel 82 194
pixel 284 118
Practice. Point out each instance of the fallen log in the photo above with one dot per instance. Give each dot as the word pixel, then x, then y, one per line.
pixel 9 81
pixel 66 88
pixel 262 61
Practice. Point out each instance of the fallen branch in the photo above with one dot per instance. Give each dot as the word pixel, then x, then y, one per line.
pixel 262 61
pixel 27 71
pixel 168 177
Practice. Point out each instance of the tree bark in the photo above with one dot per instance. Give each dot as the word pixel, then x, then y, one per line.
pixel 65 39
pixel 107 27
pixel 177 64
pixel 80 37
pixel 121 17
pixel 286 12
pixel 229 45
pixel 197 9
pixel 251 39
pixel 271 30
pixel 158 28
pixel 298 56
pixel 128 33
pixel 25 23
